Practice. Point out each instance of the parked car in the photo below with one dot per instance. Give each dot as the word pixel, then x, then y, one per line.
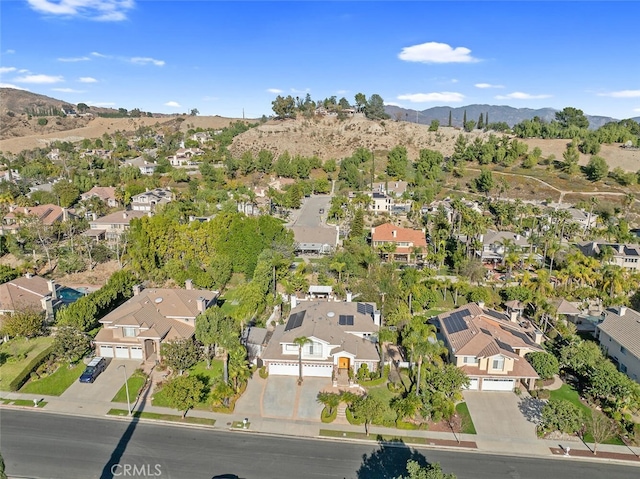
pixel 93 370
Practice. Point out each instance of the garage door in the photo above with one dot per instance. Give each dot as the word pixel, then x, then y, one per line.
pixel 106 351
pixel 498 384
pixel 283 369
pixel 122 351
pixel 136 352
pixel 473 385
pixel 317 370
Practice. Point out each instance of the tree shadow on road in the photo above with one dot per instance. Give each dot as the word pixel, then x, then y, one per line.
pixel 531 408
pixel 388 461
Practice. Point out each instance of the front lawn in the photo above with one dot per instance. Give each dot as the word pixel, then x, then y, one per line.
pixel 55 383
pixel 15 356
pixel 200 370
pixel 385 396
pixel 135 383
pixel 163 417
pixel 466 423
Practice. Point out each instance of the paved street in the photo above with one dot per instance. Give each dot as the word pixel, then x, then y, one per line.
pixel 37 444
pixel 309 215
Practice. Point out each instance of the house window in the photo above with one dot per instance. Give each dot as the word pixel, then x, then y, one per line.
pixel 129 332
pixel 291 347
pixel 623 368
pixel 623 350
pixel 470 360
pixel 498 363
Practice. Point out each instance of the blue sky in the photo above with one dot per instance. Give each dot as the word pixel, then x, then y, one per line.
pixel 223 57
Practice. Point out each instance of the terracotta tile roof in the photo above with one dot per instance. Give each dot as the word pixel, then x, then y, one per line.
pixel 48 214
pixel 385 233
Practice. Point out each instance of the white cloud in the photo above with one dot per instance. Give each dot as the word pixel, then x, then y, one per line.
pixel 7 69
pixel 342 92
pixel 518 95
pixel 454 80
pixel 274 90
pixel 147 61
pixel 74 59
pixel 636 109
pixel 294 90
pixel 23 70
pixel 444 96
pixel 9 85
pixel 99 55
pixel 622 94
pixel 87 80
pixel 67 90
pixel 434 52
pixel 173 104
pixel 40 79
pixel 9 52
pixel 99 10
pixel 487 85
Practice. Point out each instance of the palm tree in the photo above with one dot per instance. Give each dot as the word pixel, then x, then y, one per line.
pixel 330 401
pixel 300 341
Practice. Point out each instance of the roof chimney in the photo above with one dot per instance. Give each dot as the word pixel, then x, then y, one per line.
pixel 52 289
pixel 481 304
pixel 294 301
pixel 514 315
pixel 394 233
pixel 377 317
pixel 47 306
pixel 202 304
pixel 124 215
pixel 349 296
pixel 622 310
pixel 188 284
pixel 137 289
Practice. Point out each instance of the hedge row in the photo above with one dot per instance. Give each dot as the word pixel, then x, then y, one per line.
pixel 21 378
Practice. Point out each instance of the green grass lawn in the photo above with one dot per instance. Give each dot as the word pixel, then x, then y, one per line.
pixel 385 396
pixel 200 369
pixel 135 383
pixel 163 417
pixel 22 402
pixel 12 361
pixel 57 382
pixel 467 423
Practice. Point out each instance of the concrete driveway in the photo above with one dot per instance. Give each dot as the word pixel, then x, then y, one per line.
pixel 498 416
pixel 309 214
pixel 105 386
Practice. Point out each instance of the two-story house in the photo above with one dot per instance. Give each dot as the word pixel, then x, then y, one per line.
pixel 380 203
pixel 112 226
pixel 146 167
pixel 47 215
pixel 489 346
pixel 150 199
pixel 105 193
pixel 619 337
pixel 399 244
pixel 153 316
pixel 341 336
pixel 624 255
pixel 496 245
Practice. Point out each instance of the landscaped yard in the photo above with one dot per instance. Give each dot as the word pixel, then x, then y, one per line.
pixel 55 383
pixel 200 369
pixel 16 354
pixel 135 383
pixel 466 423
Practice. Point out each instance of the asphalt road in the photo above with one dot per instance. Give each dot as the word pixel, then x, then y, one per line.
pixel 309 215
pixel 43 445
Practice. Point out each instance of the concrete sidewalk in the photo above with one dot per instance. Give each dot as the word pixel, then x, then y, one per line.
pixel 523 446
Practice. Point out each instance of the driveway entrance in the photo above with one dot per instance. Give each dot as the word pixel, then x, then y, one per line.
pixel 106 384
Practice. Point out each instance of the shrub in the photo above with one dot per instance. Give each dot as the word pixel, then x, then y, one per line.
pixel 326 417
pixel 353 420
pixel 264 374
pixel 363 372
pixel 544 394
pixel 21 378
pixel 545 364
pixel 42 121
pixel 518 391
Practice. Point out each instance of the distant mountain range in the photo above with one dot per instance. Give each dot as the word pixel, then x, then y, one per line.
pixel 506 114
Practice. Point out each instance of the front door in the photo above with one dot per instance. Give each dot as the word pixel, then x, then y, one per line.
pixel 343 363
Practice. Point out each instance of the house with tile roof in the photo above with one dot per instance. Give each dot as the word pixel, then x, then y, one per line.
pixel 105 193
pixel 47 214
pixel 342 336
pixel 151 199
pixel 624 255
pixel 619 337
pixel 489 346
pixel 399 244
pixel 112 226
pixel 153 316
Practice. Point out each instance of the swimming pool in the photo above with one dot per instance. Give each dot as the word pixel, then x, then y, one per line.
pixel 69 295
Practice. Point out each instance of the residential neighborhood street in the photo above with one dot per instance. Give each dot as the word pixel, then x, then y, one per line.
pixel 41 445
pixel 309 214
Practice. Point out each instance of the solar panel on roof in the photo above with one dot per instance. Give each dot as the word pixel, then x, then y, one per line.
pixel 350 320
pixel 365 308
pixel 456 323
pixel 342 320
pixel 295 321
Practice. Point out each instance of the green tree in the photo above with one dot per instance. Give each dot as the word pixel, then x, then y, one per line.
pixel 464 118
pixel 180 354
pixel 375 108
pixel 570 116
pixel 571 157
pixel 184 392
pixel 66 192
pixel 7 273
pixel 432 471
pixel 23 324
pixel 597 168
pixel 449 124
pixel 484 183
pixel 435 124
pixel 561 415
pixel 545 364
pixel 284 107
pixel 300 342
pixel 329 400
pixel 368 409
pixel 361 102
pixel 357 225
pixel 70 344
pixel 82 107
pixel 397 163
pixel 194 112
pixel 480 122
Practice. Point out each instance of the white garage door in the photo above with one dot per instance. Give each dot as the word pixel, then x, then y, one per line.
pixel 473 385
pixel 317 370
pixel 136 352
pixel 283 369
pixel 498 384
pixel 106 351
pixel 122 351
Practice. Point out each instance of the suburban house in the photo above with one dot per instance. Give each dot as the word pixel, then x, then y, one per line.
pixel 150 199
pixel 619 337
pixel 255 341
pixel 314 239
pixel 583 219
pixel 391 188
pixel 184 157
pixel 404 244
pixel 153 316
pixel 623 255
pixel 489 346
pixel 380 203
pixel 105 193
pixel 34 293
pixel 146 167
pixel 112 226
pixel 341 336
pixel 19 215
pixel 496 245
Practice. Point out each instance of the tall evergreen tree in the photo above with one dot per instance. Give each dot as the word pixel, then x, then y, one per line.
pixel 486 118
pixel 480 122
pixel 449 118
pixel 357 225
pixel 464 119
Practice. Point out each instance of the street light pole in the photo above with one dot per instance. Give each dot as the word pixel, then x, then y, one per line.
pixel 126 387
